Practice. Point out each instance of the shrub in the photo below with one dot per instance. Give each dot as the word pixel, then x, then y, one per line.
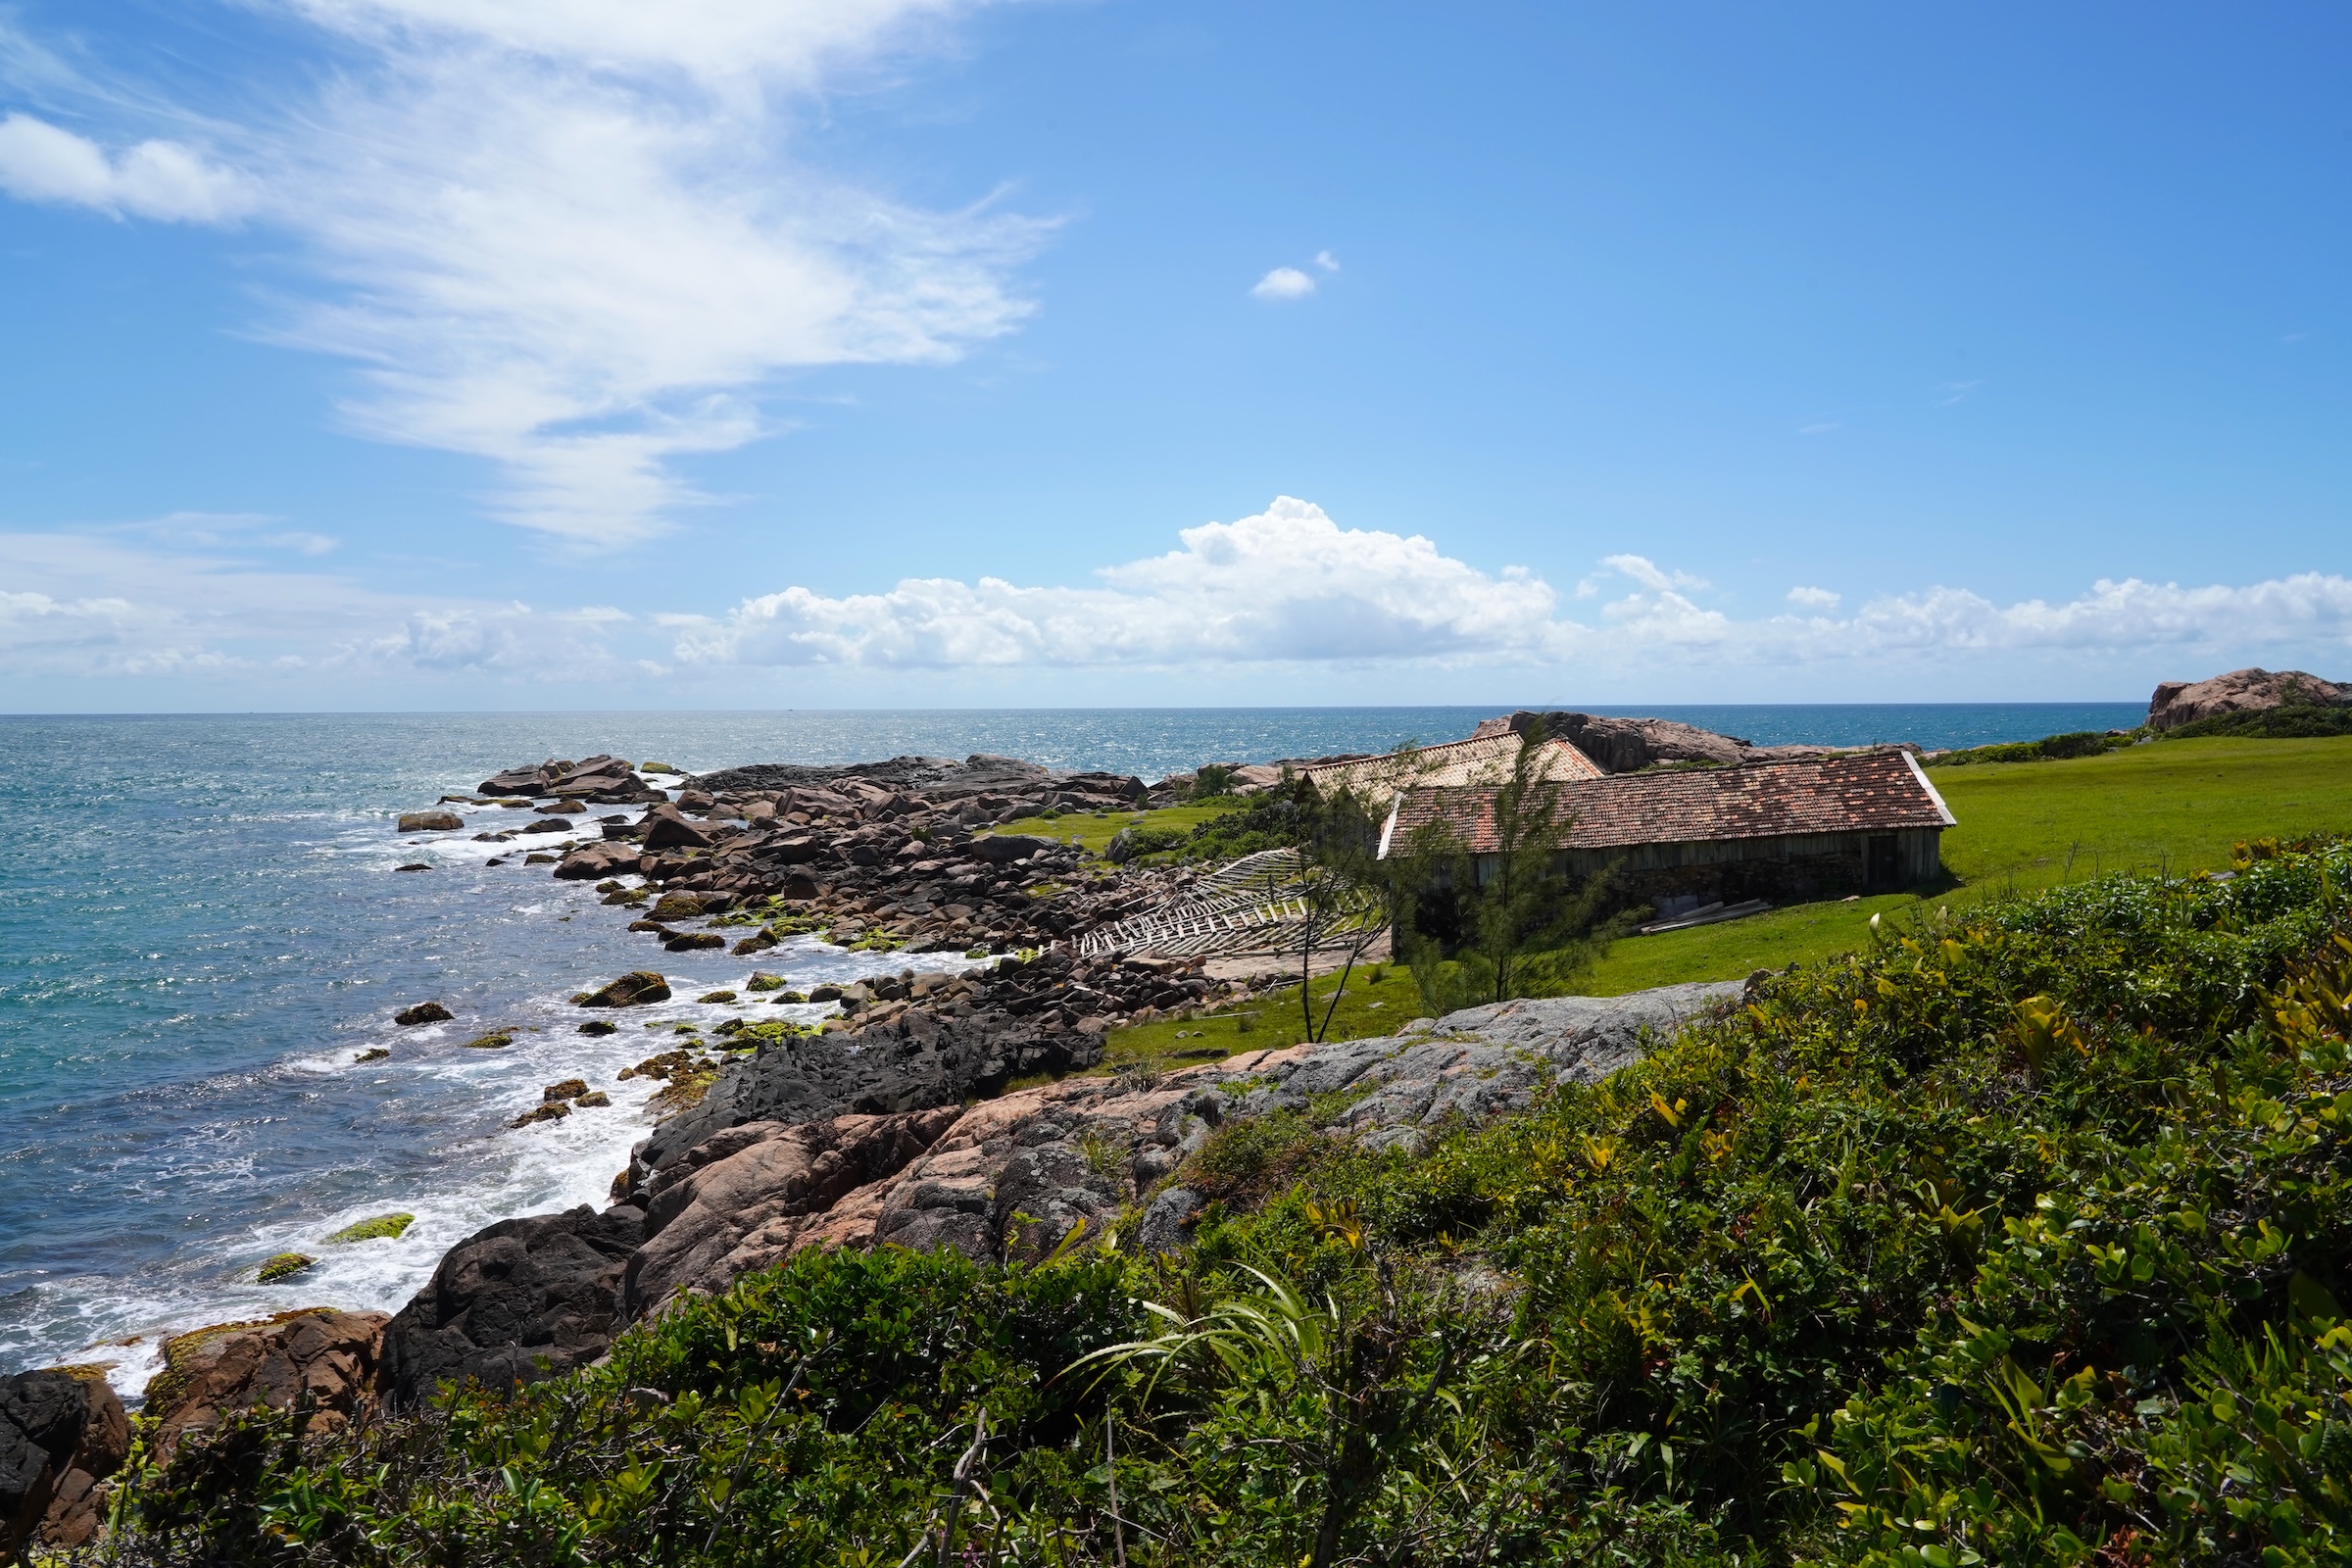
pixel 2022 1236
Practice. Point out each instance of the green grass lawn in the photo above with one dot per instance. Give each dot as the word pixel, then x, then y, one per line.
pixel 2172 805
pixel 1377 1001
pixel 1093 831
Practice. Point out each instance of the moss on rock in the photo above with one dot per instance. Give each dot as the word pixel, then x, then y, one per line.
pixel 384 1227
pixel 286 1265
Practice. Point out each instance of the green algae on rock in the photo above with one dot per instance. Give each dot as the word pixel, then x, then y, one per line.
pixel 384 1227
pixel 634 989
pixel 494 1040
pixel 284 1265
pixel 379 1054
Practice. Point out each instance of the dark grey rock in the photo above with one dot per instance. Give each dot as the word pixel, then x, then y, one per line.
pixel 1167 1224
pixel 514 1302
pixel 916 1062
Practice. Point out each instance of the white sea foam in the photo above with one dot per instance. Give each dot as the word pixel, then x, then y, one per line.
pixel 479 1180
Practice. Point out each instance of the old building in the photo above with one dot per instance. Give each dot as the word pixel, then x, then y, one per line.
pixel 1485 759
pixel 1780 831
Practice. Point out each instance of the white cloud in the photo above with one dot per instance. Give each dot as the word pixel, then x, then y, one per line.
pixel 1284 283
pixel 161 180
pixel 1954 391
pixel 1290 586
pixel 1286 600
pixel 578 238
pixel 1822 429
pixel 1326 261
pixel 95 607
pixel 1287 584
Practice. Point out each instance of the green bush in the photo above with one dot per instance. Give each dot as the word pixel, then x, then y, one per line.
pixel 2022 1238
pixel 2288 722
pixel 2079 743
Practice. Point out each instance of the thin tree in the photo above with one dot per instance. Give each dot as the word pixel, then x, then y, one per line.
pixel 1500 920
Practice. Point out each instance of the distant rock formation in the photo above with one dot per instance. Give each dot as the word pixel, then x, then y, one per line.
pixel 1630 745
pixel 2241 691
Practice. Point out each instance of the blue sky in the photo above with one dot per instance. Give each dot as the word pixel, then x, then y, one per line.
pixel 543 353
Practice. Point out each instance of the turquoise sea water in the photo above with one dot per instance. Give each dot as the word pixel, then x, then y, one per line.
pixel 201 927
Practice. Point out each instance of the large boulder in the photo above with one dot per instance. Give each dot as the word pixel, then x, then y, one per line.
pixel 593 863
pixel 2241 691
pixel 632 989
pixel 62 1433
pixel 522 1299
pixel 431 821
pixel 667 828
pixel 1003 848
pixel 317 1357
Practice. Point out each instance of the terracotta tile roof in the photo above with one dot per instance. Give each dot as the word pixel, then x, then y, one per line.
pixel 1865 792
pixel 1481 759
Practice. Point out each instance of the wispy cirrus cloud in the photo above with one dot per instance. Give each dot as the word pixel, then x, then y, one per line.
pixel 577 240
pixel 108 607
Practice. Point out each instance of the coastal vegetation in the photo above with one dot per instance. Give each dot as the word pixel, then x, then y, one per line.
pixel 2020 1234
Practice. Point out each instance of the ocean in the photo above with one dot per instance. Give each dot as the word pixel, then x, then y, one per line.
pixel 201 928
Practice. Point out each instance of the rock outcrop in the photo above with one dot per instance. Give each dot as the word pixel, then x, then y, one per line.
pixel 1629 744
pixel 431 822
pixel 605 780
pixel 2241 691
pixel 1012 1177
pixel 1000 787
pixel 514 1302
pixel 317 1357
pixel 757 1192
pixel 62 1433
pixel 915 1062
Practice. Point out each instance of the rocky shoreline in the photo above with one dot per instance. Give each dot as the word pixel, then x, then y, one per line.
pixel 895 1120
pixel 892 1121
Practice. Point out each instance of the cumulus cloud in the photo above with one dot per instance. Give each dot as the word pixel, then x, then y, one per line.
pixel 1290 586
pixel 1287 584
pixel 1283 283
pixel 1287 592
pixel 579 239
pixel 161 180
